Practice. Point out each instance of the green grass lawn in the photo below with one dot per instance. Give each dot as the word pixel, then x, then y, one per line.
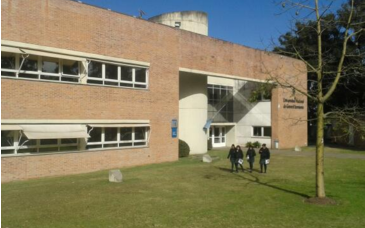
pixel 189 193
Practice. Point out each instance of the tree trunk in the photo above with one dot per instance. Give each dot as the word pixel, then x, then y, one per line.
pixel 320 191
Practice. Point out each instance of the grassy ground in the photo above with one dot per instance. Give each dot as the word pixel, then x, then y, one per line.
pixel 189 193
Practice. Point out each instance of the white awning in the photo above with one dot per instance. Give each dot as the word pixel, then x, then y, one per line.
pixel 61 131
pixel 10 127
pixel 119 125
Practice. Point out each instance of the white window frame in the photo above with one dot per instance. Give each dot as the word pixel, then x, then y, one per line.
pixel 119 81
pixel 262 131
pixel 102 143
pixel 17 147
pixel 39 72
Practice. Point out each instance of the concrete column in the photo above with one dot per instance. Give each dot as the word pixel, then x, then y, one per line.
pixel 193 111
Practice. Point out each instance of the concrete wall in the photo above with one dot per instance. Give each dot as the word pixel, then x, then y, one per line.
pixel 193 21
pixel 193 112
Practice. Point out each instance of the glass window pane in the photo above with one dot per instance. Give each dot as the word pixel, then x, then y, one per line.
pixel 125 144
pixel 267 131
pixel 30 63
pixel 126 73
pixel 126 134
pixel 111 83
pixel 140 143
pixel 126 85
pixel 50 65
pixel 68 141
pixel 68 148
pixel 25 142
pixel 34 76
pixel 95 134
pixel 140 86
pixel 111 134
pixel 48 142
pixel 7 152
pixel 257 131
pixel 9 74
pixel 7 60
pixel 27 150
pixel 50 149
pixel 95 69
pixel 67 79
pixel 110 145
pixel 7 138
pixel 95 82
pixel 70 67
pixel 93 146
pixel 49 77
pixel 140 75
pixel 139 133
pixel 111 71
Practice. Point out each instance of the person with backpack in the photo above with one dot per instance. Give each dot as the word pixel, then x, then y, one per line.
pixel 264 157
pixel 233 156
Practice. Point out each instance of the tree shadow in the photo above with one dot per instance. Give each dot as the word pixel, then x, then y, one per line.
pixel 257 181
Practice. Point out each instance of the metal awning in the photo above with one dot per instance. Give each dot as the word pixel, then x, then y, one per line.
pixel 60 131
pixel 11 127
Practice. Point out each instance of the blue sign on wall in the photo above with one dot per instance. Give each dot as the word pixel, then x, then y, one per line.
pixel 174 132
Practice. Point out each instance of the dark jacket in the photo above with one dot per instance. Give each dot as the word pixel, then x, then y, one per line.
pixel 251 155
pixel 264 153
pixel 232 155
pixel 239 154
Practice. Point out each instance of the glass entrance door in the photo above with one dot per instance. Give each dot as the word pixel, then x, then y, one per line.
pixel 218 136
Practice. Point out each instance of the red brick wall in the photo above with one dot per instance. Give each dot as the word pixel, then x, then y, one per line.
pixel 70 25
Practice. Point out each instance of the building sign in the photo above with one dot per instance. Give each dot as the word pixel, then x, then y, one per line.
pixel 174 123
pixel 174 132
pixel 293 103
pixel 174 128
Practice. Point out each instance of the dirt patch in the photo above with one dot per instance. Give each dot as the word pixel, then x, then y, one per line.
pixel 320 201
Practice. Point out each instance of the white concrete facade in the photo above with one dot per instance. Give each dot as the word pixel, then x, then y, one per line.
pixel 193 109
pixel 193 21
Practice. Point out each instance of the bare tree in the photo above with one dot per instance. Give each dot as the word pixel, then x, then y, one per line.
pixel 325 81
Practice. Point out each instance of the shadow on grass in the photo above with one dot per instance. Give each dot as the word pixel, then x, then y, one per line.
pixel 257 181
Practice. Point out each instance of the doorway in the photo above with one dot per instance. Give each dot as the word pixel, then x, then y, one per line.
pixel 217 135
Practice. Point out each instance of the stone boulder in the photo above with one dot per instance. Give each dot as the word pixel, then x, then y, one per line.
pixel 115 176
pixel 297 148
pixel 207 158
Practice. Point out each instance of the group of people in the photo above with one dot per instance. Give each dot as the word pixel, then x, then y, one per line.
pixel 236 157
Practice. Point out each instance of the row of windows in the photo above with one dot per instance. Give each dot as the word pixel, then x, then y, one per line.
pixel 55 69
pixel 117 137
pixel 14 142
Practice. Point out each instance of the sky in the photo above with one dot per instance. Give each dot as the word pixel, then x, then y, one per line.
pixel 252 23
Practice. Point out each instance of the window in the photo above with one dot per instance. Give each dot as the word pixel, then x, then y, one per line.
pixel 220 99
pixel 13 142
pixel 115 137
pixel 39 67
pixel 261 131
pixel 117 75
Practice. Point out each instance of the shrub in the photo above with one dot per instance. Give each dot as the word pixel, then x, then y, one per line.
pixel 184 149
pixel 248 144
pixel 256 144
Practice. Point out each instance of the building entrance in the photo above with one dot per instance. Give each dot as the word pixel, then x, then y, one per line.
pixel 218 136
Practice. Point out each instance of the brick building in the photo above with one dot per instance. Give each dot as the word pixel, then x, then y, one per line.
pixel 86 89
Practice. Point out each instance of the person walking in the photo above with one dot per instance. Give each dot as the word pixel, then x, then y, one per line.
pixel 250 154
pixel 240 157
pixel 232 155
pixel 264 157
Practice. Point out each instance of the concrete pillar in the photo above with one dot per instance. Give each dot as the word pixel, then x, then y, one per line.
pixel 193 113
